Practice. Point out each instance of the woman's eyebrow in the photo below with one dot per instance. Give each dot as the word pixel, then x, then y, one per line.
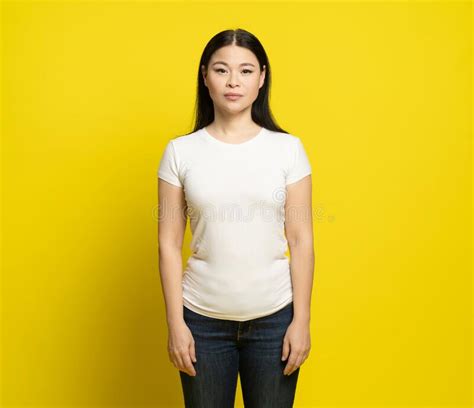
pixel 225 63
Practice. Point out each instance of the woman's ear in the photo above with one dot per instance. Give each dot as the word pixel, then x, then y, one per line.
pixel 262 76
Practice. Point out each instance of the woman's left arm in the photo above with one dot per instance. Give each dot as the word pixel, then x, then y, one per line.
pixel 299 234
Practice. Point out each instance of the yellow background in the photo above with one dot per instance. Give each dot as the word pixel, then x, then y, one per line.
pixel 380 94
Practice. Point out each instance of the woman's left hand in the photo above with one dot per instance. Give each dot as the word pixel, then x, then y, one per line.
pixel 296 343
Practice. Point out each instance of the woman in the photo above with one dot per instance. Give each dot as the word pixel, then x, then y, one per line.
pixel 242 306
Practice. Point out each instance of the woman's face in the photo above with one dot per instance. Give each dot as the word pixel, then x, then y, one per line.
pixel 233 69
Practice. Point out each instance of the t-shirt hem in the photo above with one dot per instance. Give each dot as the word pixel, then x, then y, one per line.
pixel 198 310
pixel 169 179
pixel 295 179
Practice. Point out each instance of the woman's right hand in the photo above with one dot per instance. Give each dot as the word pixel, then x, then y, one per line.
pixel 181 349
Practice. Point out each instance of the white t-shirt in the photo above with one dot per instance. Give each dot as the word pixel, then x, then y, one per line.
pixel 236 193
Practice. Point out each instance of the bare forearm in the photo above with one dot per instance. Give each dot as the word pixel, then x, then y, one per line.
pixel 302 271
pixel 170 265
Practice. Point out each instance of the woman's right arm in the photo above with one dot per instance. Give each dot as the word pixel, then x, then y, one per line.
pixel 171 228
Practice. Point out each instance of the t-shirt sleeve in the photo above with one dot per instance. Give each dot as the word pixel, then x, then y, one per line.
pixel 299 164
pixel 168 169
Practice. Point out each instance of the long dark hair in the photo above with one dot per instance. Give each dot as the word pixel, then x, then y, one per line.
pixel 204 107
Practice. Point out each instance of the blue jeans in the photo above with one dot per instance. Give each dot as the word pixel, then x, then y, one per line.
pixel 225 348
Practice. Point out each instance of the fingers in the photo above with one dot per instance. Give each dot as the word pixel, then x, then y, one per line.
pixel 192 352
pixel 292 365
pixel 183 363
pixel 181 349
pixel 286 350
pixel 189 368
pixel 183 360
pixel 295 361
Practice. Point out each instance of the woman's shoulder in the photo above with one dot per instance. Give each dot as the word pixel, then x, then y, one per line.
pixel 187 142
pixel 281 138
pixel 187 137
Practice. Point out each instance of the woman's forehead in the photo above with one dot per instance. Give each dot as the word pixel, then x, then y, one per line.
pixel 234 55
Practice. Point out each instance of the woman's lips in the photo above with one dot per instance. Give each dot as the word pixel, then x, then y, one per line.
pixel 233 97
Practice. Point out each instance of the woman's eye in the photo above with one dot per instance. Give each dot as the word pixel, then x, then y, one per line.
pixel 223 70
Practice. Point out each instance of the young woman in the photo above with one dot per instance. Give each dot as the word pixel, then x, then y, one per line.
pixel 242 306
